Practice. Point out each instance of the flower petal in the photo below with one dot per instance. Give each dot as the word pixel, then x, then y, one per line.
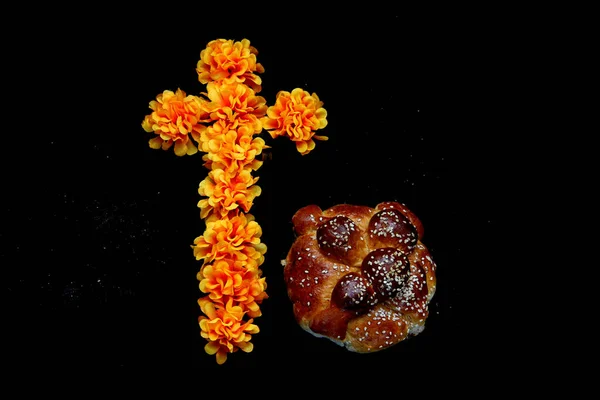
pixel 211 348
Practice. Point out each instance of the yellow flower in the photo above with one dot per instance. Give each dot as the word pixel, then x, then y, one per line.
pixel 226 279
pixel 236 239
pixel 298 115
pixel 227 192
pixel 235 102
pixel 225 329
pixel 174 118
pixel 229 61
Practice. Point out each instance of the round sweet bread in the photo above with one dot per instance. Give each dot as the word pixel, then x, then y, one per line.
pixel 359 276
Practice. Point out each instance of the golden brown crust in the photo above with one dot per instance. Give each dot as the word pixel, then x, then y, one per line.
pixel 360 276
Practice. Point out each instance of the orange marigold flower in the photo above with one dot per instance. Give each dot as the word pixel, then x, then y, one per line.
pixel 175 117
pixel 236 238
pixel 226 192
pixel 226 279
pixel 225 329
pixel 298 115
pixel 229 61
pixel 233 152
pixel 212 136
pixel 235 101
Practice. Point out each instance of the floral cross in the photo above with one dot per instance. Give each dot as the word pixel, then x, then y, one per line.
pixel 223 123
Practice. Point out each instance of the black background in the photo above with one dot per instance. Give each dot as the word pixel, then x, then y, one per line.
pixel 97 227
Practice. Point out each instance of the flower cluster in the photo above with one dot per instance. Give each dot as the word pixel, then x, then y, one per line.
pixel 298 115
pixel 224 123
pixel 230 248
pixel 229 61
pixel 175 117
